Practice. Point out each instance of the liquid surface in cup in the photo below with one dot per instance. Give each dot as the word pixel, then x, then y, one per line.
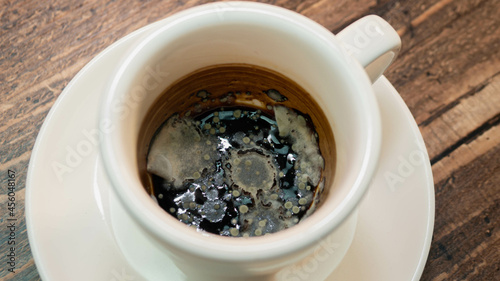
pixel 241 163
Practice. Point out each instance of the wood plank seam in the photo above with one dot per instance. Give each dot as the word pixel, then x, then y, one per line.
pixel 492 122
pixel 441 111
pixel 443 171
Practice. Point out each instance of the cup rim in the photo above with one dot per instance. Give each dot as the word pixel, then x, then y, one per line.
pixel 230 249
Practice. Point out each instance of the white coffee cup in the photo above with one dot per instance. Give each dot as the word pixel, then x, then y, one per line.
pixel 336 70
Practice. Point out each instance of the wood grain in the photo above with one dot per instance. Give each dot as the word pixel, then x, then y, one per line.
pixel 448 73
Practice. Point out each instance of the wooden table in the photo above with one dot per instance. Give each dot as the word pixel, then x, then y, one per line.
pixel 448 73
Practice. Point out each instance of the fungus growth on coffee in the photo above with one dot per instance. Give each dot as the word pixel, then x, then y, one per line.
pixel 239 170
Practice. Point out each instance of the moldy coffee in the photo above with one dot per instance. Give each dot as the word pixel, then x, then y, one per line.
pixel 239 154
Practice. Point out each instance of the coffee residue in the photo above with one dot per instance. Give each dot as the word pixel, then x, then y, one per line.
pixel 237 171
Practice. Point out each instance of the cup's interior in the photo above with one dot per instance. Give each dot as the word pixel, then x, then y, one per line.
pixel 303 52
pixel 251 82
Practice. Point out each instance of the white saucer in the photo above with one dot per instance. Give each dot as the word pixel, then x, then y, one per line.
pixel 67 198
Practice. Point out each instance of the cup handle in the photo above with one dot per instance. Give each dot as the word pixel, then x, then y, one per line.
pixel 373 42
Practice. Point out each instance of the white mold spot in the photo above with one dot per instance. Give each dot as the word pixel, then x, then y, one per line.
pixel 171 155
pixel 292 125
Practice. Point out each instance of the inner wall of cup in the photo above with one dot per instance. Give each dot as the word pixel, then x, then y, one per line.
pixel 314 64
